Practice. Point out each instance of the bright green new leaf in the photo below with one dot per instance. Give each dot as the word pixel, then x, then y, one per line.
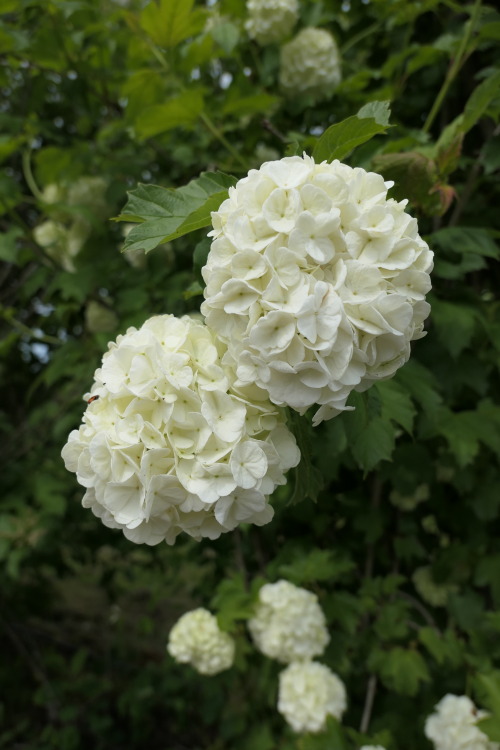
pixel 317 565
pixel 340 139
pixel 182 110
pixel 227 35
pixel 167 214
pixel 169 22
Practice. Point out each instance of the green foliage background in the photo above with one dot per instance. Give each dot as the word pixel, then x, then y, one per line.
pixel 156 93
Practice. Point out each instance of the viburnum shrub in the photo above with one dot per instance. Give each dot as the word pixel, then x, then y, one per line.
pixel 326 478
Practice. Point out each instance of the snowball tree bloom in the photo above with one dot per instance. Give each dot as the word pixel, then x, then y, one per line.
pixel 170 443
pixel 315 280
pixel 453 726
pixel 308 693
pixel 288 624
pixel 310 64
pixel 271 20
pixel 372 747
pixel 197 640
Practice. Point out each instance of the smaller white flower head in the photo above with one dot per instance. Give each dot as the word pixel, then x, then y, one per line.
pixel 196 639
pixel 308 693
pixel 271 21
pixel 288 625
pixel 310 64
pixel 372 747
pixel 453 726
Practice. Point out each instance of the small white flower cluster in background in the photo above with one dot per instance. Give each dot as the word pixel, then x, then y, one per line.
pixel 64 235
pixel 372 747
pixel 308 693
pixel 271 20
pixel 453 726
pixel 310 64
pixel 288 624
pixel 315 281
pixel 168 442
pixel 196 639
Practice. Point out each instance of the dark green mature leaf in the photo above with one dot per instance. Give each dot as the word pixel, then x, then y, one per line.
pixel 375 443
pixel 396 404
pixel 455 325
pixel 401 670
pixel 480 100
pixel 169 22
pixel 182 110
pixel 332 738
pixel 166 213
pixel 308 480
pixel 317 565
pixel 340 139
pixel 9 247
pixel 466 240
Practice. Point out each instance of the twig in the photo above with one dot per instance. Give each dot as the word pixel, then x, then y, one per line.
pixel 371 689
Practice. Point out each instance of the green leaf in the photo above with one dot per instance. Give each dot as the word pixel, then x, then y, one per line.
pixel 480 99
pixel 226 35
pixel 340 139
pixel 308 481
pixel 455 325
pixel 374 444
pixel 491 727
pixel 169 22
pixel 401 670
pixel 317 565
pixel 489 687
pixel 250 105
pixel 232 601
pixel 182 110
pixel 466 240
pixel 167 213
pixel 332 738
pixel 396 404
pixel 9 247
pixel 379 111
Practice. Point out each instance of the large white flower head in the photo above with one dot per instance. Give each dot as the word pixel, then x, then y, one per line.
pixel 453 725
pixel 310 64
pixel 169 444
pixel 288 625
pixel 316 281
pixel 271 20
pixel 308 693
pixel 197 640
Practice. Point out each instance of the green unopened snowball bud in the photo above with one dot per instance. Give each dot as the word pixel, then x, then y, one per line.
pixel 433 593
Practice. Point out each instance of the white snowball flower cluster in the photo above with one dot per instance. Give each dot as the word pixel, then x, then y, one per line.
pixel 453 725
pixel 271 20
pixel 308 693
pixel 169 444
pixel 288 625
pixel 310 64
pixel 64 235
pixel 316 281
pixel 197 640
pixel 372 747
